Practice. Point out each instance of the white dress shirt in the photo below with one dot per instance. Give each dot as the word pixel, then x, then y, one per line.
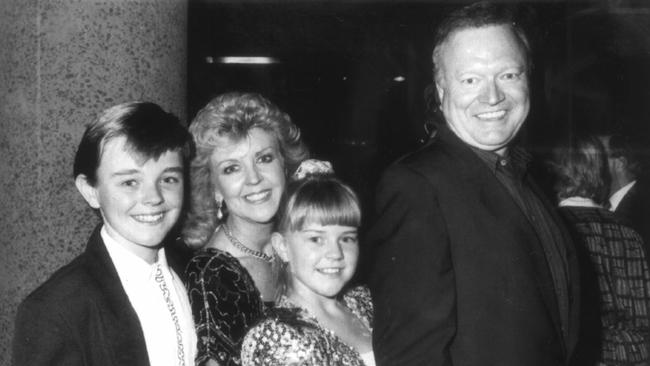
pixel 617 197
pixel 158 319
pixel 577 201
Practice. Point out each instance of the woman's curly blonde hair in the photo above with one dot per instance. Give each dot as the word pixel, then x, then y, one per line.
pixel 231 115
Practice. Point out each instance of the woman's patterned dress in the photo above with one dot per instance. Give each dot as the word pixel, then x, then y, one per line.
pixel 225 304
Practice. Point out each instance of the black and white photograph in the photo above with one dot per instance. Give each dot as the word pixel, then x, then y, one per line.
pixel 325 182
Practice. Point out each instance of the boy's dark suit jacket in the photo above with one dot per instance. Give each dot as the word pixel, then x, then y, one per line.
pixel 80 316
pixel 459 276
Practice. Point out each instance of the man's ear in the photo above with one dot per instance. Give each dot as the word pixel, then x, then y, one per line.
pixel 88 192
pixel 440 92
pixel 280 246
pixel 619 163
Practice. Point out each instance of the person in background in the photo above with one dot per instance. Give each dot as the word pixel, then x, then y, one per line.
pixel 246 146
pixel 629 192
pixel 472 265
pixel 317 320
pixel 615 280
pixel 118 303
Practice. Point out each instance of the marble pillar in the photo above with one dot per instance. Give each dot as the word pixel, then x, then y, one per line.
pixel 62 62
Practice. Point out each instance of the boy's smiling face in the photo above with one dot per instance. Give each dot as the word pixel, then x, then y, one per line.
pixel 139 200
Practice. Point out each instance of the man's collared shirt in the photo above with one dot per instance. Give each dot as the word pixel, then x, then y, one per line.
pixel 618 196
pixel 150 304
pixel 577 201
pixel 510 170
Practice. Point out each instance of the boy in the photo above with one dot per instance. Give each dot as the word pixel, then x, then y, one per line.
pixel 118 303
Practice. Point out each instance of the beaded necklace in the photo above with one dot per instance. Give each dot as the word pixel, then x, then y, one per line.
pixel 237 244
pixel 160 279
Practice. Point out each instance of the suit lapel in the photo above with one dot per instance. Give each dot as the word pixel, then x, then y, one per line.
pixel 495 197
pixel 130 345
pixel 570 266
pixel 508 216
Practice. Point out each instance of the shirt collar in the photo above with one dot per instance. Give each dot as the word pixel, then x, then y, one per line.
pixel 578 202
pixel 617 197
pixel 128 265
pixel 516 160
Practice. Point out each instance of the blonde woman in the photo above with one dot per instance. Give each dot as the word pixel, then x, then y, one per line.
pixel 246 146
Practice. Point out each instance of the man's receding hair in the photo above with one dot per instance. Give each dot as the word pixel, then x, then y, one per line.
pixel 479 15
pixel 624 146
pixel 149 132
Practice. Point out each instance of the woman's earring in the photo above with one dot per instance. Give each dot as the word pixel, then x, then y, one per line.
pixel 220 210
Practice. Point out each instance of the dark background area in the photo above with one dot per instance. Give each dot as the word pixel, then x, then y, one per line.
pixel 352 74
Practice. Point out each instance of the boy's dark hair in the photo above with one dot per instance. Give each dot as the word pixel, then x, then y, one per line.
pixel 149 132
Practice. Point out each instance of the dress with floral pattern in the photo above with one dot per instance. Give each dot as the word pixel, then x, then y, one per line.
pixel 289 335
pixel 225 304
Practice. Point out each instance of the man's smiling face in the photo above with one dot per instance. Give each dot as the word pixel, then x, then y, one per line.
pixel 483 86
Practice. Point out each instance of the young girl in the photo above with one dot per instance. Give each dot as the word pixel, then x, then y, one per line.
pixel 316 321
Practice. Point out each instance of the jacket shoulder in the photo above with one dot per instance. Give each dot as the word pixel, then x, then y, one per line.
pixel 71 283
pixel 435 161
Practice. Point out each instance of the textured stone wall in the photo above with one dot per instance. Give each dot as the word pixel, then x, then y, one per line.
pixel 61 62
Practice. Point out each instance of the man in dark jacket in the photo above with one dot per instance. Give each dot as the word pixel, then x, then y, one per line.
pixel 472 265
pixel 629 191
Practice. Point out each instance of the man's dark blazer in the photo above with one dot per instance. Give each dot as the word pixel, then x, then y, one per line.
pixel 634 210
pixel 80 316
pixel 459 276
